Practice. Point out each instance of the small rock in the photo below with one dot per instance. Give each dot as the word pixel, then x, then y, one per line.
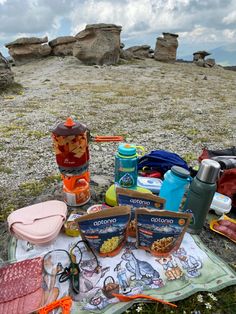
pixel 199 111
pixel 101 180
pixel 96 147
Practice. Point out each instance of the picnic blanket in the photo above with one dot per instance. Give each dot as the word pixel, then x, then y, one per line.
pixel 193 267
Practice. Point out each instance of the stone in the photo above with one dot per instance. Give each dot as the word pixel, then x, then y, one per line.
pixel 24 50
pixel 200 55
pixel 6 74
pixel 126 55
pixel 166 47
pixel 139 52
pixel 101 180
pixel 62 46
pixel 98 44
pixel 200 62
pixel 27 41
pixel 210 62
pixel 122 45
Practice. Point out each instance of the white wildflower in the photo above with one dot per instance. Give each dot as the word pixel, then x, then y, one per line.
pixel 200 298
pixel 208 305
pixel 139 309
pixel 211 295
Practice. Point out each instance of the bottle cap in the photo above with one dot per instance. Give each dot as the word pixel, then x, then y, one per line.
pixel 127 150
pixel 180 172
pixel 209 171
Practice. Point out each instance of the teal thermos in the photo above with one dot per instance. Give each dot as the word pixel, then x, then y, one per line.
pixel 201 193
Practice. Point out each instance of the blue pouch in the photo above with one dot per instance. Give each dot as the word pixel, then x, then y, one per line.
pixel 161 161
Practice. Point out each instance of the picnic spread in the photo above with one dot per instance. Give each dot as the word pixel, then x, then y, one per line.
pixel 141 243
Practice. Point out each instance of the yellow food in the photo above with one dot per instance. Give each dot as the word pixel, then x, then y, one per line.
pixel 162 245
pixel 109 245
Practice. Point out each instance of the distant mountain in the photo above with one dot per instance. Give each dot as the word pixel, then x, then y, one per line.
pixel 224 55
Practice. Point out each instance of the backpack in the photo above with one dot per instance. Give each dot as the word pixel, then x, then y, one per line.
pixel 226 184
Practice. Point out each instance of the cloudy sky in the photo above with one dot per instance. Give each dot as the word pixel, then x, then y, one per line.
pixel 201 24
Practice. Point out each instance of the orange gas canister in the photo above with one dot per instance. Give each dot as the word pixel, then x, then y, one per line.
pixel 70 141
pixel 76 190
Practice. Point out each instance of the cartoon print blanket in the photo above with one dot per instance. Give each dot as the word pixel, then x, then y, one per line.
pixel 191 268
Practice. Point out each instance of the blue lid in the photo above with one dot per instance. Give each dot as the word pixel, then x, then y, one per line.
pixel 127 150
pixel 180 172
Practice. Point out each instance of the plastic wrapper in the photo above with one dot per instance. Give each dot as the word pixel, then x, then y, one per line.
pixel 225 226
pixel 136 200
pixel 106 230
pixel 160 232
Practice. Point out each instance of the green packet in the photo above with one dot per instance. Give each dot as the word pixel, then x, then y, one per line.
pixel 106 230
pixel 160 232
pixel 135 199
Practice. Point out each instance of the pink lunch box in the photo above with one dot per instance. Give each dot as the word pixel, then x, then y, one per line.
pixel 39 223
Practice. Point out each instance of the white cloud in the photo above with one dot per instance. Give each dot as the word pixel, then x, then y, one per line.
pixel 196 21
pixel 230 34
pixel 230 18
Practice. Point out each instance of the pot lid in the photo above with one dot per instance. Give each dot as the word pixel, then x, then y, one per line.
pixel 69 127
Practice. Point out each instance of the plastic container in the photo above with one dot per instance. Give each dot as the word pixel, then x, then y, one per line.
pixel 152 184
pixel 39 223
pixel 71 226
pixel 126 165
pixel 175 184
pixel 221 204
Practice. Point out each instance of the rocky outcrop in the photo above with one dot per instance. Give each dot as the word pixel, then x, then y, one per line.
pixel 139 52
pixel 62 46
pixel 124 54
pixel 24 50
pixel 210 62
pixel 199 59
pixel 6 74
pixel 200 55
pixel 98 44
pixel 166 48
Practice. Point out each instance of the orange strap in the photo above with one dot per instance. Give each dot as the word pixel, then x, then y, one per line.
pixel 65 303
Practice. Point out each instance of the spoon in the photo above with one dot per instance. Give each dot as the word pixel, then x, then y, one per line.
pixel 126 298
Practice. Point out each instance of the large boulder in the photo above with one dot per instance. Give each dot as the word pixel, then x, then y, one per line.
pixel 6 74
pixel 199 59
pixel 62 46
pixel 210 62
pixel 24 50
pixel 200 55
pixel 98 44
pixel 140 52
pixel 166 47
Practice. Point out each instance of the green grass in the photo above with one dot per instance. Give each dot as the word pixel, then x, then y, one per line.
pixel 221 302
pixel 14 88
pixel 37 134
pixel 24 195
pixel 4 169
pixel 11 129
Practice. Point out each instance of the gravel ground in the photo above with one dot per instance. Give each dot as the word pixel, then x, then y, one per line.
pixel 177 107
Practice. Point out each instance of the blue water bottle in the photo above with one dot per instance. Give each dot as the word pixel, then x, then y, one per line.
pixel 126 165
pixel 176 182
